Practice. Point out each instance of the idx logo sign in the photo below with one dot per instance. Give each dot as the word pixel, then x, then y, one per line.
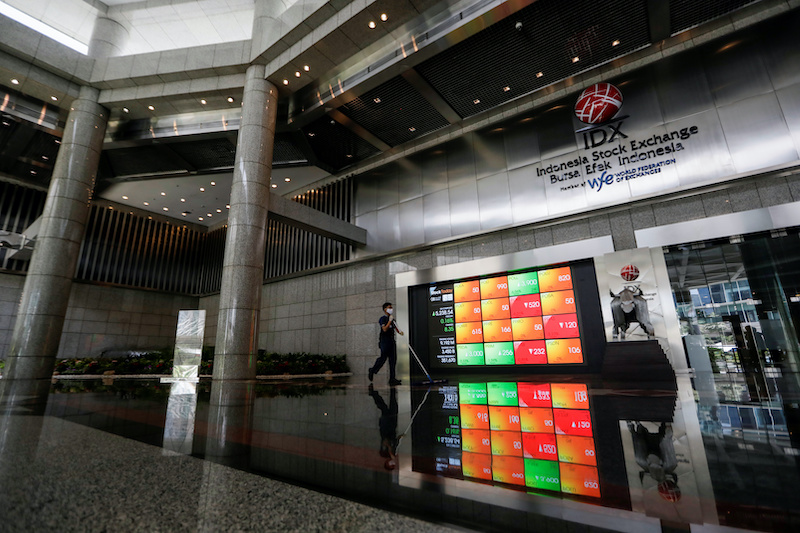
pixel 598 105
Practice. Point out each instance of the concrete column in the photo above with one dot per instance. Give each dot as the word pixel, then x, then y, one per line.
pixel 243 265
pixel 45 296
pixel 108 38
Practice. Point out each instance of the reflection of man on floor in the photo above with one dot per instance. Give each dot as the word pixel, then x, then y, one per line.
pixel 655 454
pixel 388 426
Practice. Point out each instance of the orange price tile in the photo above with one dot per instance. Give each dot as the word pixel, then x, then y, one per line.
pixel 555 279
pixel 570 395
pixel 564 351
pixel 572 449
pixel 496 331
pixel 504 418
pixel 494 288
pixel 476 440
pixel 474 416
pixel 495 309
pixel 527 329
pixel 468 311
pixel 467 291
pixel 476 465
pixel 579 479
pixel 507 443
pixel 558 303
pixel 469 332
pixel 508 470
pixel 530 353
pixel 536 420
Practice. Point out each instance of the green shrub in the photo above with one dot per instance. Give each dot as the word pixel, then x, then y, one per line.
pixel 160 362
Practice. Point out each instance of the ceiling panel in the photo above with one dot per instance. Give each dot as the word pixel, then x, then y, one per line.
pixel 685 14
pixel 335 145
pixel 501 62
pixel 394 112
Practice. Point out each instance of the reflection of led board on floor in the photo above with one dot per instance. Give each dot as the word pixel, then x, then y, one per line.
pixel 517 319
pixel 537 435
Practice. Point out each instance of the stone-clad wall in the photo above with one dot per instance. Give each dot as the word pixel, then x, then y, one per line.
pixel 102 318
pixel 336 311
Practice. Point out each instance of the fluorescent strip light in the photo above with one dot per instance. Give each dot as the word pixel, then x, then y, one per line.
pixel 44 29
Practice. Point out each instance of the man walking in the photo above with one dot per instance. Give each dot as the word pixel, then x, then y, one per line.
pixel 387 344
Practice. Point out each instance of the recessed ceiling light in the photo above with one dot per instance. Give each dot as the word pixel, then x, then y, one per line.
pixel 126 110
pixel 286 82
pixel 230 99
pixel 33 172
pixel 371 24
pixel 227 206
pixel 306 68
pixel 149 218
pixel 213 183
pixel 165 208
pixel 202 189
pixel 183 199
pixel 44 157
pixel 124 197
pixel 539 74
pixel 274 186
pixel 203 101
pixel 311 134
pixel 376 100
pixel 348 155
pixel 163 193
pixel 146 203
pixel 384 17
pixel 54 98
pixel 506 89
pixel 219 210
pixel 58 142
pixel 576 59
pixel 184 213
pixel 15 81
pixel 412 128
pixel 297 74
pixel 151 108
pixel 287 180
pixel 476 101
pixel 615 43
pixel 199 218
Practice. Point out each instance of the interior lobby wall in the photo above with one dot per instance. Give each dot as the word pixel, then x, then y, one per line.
pixel 102 318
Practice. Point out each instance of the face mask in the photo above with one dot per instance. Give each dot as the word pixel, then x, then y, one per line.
pixel 389 310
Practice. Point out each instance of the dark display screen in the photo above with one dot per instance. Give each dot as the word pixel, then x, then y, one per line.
pixel 522 318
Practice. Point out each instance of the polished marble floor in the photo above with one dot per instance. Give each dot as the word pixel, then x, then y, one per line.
pixel 508 453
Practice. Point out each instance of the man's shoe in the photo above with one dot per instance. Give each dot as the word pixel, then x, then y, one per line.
pixel 395 382
pixel 371 374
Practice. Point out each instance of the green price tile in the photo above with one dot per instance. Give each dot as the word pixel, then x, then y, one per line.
pixel 469 354
pixel 499 353
pixel 519 284
pixel 541 474
pixel 502 393
pixel 472 393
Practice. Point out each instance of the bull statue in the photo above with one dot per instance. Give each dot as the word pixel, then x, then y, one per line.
pixel 627 307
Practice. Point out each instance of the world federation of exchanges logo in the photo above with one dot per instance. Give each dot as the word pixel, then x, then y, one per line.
pixel 598 103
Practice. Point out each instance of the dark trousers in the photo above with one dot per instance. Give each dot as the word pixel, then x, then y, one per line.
pixel 388 351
